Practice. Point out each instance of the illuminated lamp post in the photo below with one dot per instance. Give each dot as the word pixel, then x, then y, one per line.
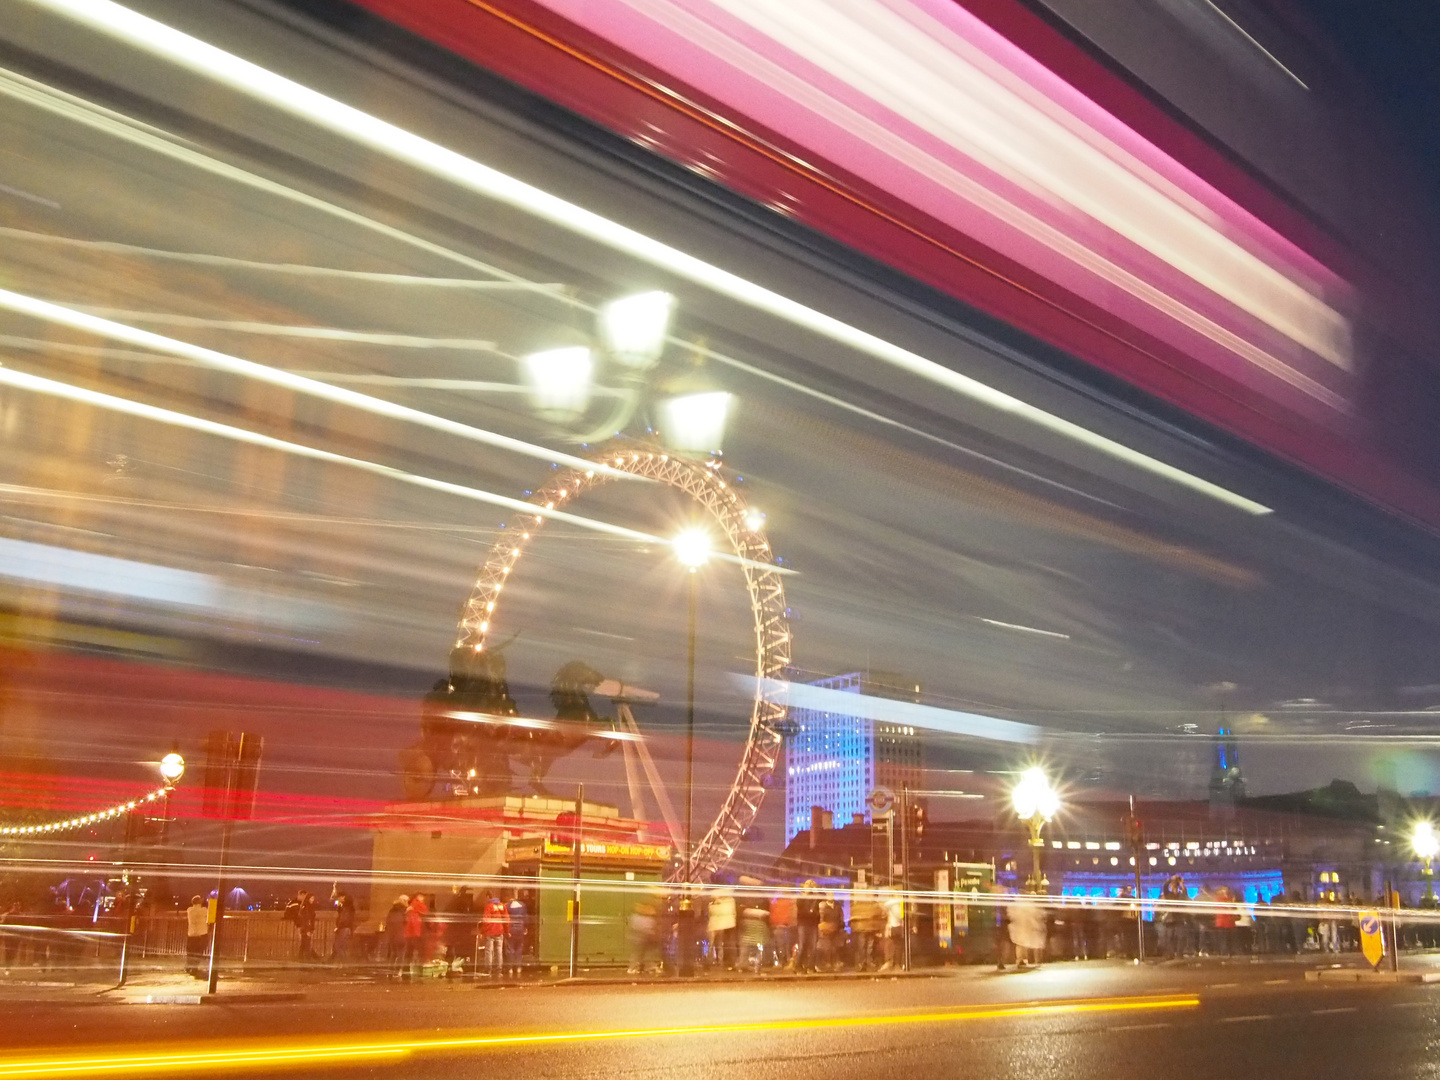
pixel 172 769
pixel 692 551
pixel 1426 844
pixel 1035 803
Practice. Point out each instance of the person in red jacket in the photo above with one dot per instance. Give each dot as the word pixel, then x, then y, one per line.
pixel 494 921
pixel 414 937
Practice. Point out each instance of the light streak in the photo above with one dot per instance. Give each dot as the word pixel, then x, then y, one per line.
pixel 131 335
pixel 868 707
pixel 38 384
pixel 117 125
pixel 116 247
pixel 310 333
pixel 1248 37
pixel 291 97
pixel 1024 629
pixel 295 1053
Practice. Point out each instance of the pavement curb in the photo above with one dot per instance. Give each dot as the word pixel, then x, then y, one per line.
pixel 676 981
pixel 1362 975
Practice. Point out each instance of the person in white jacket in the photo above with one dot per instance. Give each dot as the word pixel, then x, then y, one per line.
pixel 722 929
pixel 197 933
pixel 1027 929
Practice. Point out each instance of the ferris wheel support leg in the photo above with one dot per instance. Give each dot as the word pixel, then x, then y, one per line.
pixel 632 774
pixel 657 785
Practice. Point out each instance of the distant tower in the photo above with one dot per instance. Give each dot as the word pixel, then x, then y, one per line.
pixel 1227 783
pixel 834 761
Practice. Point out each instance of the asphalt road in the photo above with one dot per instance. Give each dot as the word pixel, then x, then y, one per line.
pixel 1066 1021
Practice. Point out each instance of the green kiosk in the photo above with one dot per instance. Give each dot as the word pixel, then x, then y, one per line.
pixel 616 875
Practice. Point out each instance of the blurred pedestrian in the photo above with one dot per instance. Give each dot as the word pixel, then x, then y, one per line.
pixel 493 922
pixel 782 929
pixel 392 935
pixel 893 905
pixel 644 935
pixel 754 926
pixel 721 928
pixel 344 924
pixel 1027 930
pixel 301 912
pixel 1172 920
pixel 831 931
pixel 459 931
pixel 415 922
pixel 517 922
pixel 867 922
pixel 9 939
pixel 1225 921
pixel 197 932
pixel 807 922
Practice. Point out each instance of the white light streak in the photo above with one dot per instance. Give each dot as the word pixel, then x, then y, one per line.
pixel 887 710
pixel 116 247
pixel 268 329
pixel 107 328
pixel 1024 629
pixel 38 384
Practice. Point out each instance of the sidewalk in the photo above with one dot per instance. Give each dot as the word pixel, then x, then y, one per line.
pixel 270 984
pixel 277 983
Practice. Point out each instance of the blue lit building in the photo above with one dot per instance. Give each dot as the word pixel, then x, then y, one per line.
pixel 834 761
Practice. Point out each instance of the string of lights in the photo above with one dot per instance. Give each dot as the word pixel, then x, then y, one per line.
pixel 83 820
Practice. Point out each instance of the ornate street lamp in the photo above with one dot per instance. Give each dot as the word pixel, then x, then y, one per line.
pixel 1035 803
pixel 1426 844
pixel 172 768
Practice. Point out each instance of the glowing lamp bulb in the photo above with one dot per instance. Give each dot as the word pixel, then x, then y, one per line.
pixel 754 519
pixel 558 381
pixel 1425 842
pixel 1033 795
pixel 633 328
pixel 692 548
pixel 172 767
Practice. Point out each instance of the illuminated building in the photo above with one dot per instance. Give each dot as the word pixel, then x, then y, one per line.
pixel 834 761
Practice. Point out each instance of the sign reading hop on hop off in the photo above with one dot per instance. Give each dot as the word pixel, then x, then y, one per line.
pixel 1372 940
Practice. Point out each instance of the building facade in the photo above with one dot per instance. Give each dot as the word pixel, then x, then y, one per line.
pixel 834 761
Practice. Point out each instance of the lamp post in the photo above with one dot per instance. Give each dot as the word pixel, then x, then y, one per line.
pixel 172 768
pixel 1035 803
pixel 692 550
pixel 1426 844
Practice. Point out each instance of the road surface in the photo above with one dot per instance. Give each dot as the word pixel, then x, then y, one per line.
pixel 1063 1021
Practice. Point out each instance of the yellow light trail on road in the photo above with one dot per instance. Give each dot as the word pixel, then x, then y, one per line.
pixel 218 1055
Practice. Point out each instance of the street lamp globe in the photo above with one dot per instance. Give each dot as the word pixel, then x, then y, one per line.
pixel 633 328
pixel 1424 840
pixel 692 548
pixel 558 381
pixel 172 768
pixel 695 422
pixel 1034 797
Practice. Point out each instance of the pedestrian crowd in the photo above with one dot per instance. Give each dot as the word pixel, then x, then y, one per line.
pixel 485 936
pixel 748 928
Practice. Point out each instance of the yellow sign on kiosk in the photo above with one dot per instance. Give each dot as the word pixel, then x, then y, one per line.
pixel 1372 938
